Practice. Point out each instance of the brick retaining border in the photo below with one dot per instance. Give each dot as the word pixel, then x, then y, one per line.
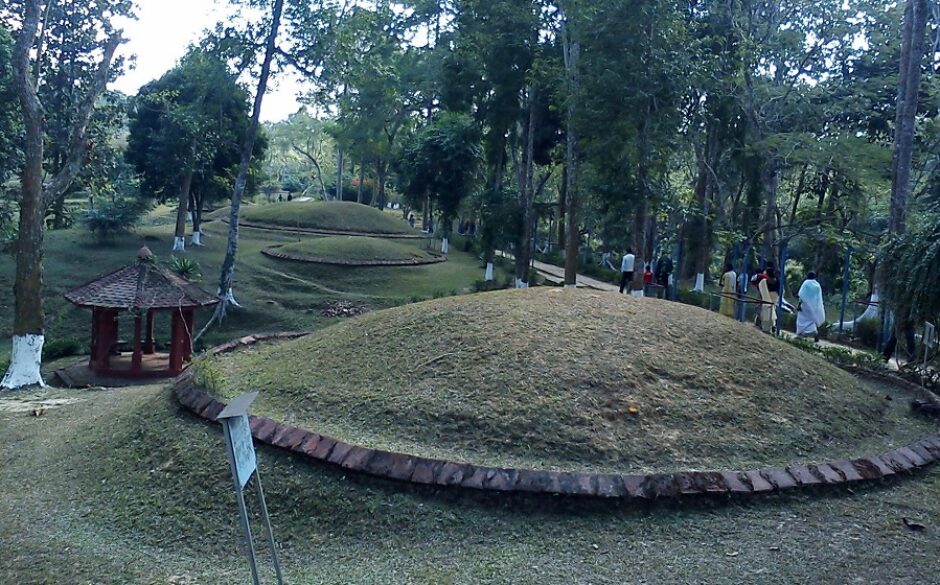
pixel 423 470
pixel 274 253
pixel 299 230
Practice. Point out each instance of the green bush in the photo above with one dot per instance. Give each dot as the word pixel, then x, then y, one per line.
pixel 188 268
pixel 206 373
pixel 111 218
pixel 840 356
pixel 60 348
pixel 868 332
pixel 691 297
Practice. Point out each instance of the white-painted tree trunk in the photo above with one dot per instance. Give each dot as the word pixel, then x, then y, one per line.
pixel 189 217
pixel 25 361
pixel 520 284
pixel 699 282
pixel 229 297
pixel 488 275
pixel 196 239
pixel 872 311
pixel 638 293
pixel 179 244
pixel 445 246
pixel 571 286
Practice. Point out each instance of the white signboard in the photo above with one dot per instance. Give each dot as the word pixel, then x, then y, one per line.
pixel 242 448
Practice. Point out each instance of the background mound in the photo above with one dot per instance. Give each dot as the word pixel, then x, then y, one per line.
pixel 335 216
pixel 547 379
pixel 357 249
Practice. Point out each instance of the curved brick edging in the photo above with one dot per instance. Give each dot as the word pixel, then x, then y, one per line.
pixel 423 470
pixel 321 232
pixel 273 253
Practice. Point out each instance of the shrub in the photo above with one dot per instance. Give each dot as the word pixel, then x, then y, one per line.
pixel 690 297
pixel 868 332
pixel 60 348
pixel 112 217
pixel 206 373
pixel 188 268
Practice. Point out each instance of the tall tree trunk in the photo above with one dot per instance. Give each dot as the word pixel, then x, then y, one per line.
pixel 572 54
pixel 562 203
pixel 381 172
pixel 527 190
pixel 35 199
pixel 227 276
pixel 362 180
pixel 197 200
pixel 340 163
pixel 179 240
pixel 912 56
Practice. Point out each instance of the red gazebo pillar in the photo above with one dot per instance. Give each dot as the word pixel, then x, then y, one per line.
pixel 148 338
pixel 177 348
pixel 137 357
pixel 103 335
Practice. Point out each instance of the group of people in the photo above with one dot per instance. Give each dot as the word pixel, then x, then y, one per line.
pixel 660 278
pixel 810 311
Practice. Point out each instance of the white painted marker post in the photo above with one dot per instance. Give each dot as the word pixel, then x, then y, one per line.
pixel 244 464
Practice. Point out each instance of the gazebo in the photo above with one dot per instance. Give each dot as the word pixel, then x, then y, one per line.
pixel 142 289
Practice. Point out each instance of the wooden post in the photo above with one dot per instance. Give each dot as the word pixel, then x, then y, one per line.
pixel 176 348
pixel 93 353
pixel 104 339
pixel 148 339
pixel 187 335
pixel 137 358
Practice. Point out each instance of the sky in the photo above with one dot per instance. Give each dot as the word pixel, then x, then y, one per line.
pixel 160 36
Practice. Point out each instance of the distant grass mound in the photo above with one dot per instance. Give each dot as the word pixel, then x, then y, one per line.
pixel 357 249
pixel 573 380
pixel 327 216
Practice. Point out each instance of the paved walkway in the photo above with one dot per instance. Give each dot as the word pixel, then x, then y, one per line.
pixel 556 275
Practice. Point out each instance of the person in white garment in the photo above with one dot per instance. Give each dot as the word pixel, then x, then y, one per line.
pixel 626 269
pixel 811 313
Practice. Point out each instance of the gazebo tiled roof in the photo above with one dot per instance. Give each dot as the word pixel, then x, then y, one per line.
pixel 143 285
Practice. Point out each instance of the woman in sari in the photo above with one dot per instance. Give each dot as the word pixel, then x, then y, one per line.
pixel 729 289
pixel 769 288
pixel 811 313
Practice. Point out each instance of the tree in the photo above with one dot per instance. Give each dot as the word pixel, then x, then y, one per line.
pixel 441 162
pixel 184 136
pixel 227 274
pixel 36 196
pixel 912 59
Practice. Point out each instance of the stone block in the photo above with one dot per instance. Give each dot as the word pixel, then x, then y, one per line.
pixel 779 478
pixel 737 482
pixel 339 452
pixel 356 458
pixel 402 466
pixel 758 483
pixel 847 469
pixel 803 475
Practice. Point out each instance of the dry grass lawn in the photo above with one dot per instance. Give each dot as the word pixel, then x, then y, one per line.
pixel 548 378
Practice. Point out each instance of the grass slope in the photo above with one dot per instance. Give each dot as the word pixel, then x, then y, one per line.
pixel 275 295
pixel 338 216
pixel 357 248
pixel 545 378
pixel 122 487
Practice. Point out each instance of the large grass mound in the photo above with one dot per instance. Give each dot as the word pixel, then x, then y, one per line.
pixel 336 216
pixel 549 378
pixel 357 249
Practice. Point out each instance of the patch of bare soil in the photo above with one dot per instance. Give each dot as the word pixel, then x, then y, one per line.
pixel 344 309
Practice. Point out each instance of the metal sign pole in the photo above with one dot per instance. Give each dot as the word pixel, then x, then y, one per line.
pixel 267 524
pixel 240 496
